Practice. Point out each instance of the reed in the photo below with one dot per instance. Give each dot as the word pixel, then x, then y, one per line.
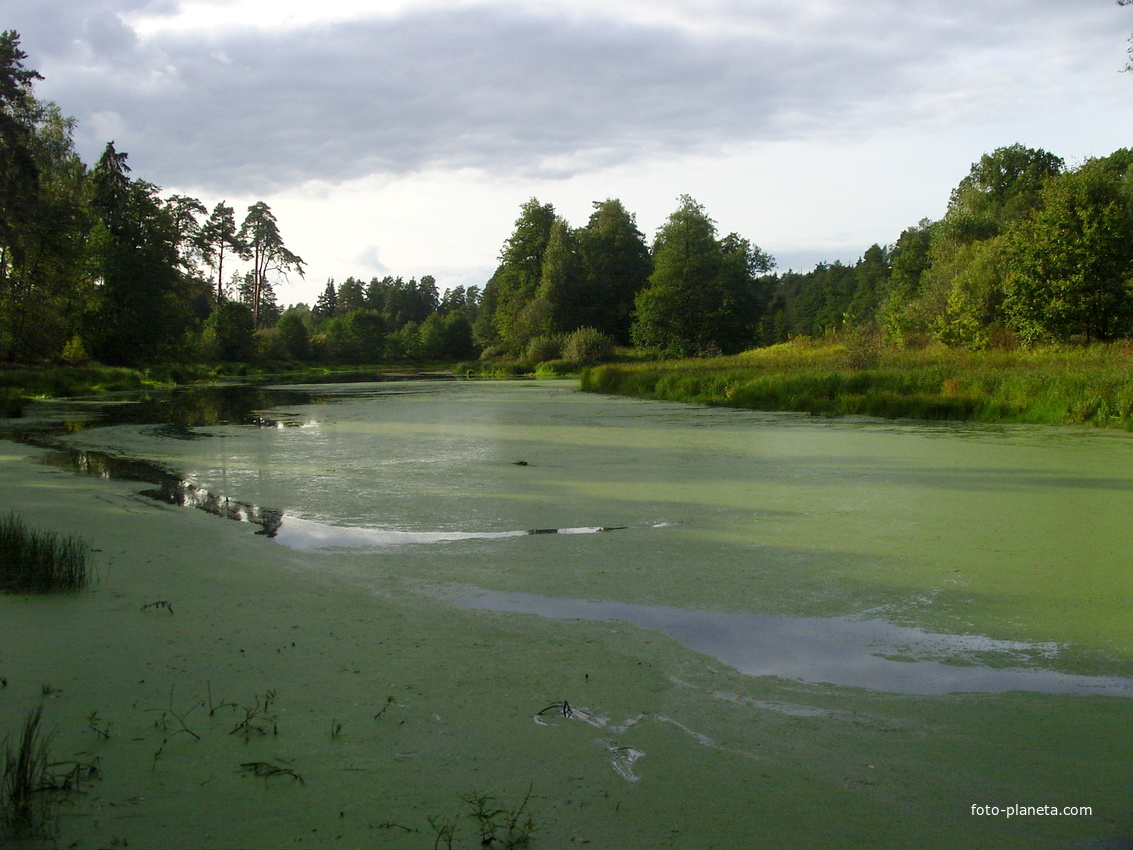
pixel 41 561
pixel 27 787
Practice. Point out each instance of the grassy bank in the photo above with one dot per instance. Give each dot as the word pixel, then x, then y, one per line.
pixel 1080 385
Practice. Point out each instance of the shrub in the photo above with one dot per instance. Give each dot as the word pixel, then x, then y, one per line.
pixel 41 561
pixel 74 352
pixel 587 346
pixel 543 348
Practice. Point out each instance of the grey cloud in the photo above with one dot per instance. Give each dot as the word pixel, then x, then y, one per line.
pixel 534 93
pixel 65 28
pixel 108 35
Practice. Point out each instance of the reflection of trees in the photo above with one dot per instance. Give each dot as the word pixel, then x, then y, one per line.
pixel 189 495
pixel 169 487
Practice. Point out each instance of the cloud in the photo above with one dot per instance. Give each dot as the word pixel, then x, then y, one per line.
pixel 369 261
pixel 515 89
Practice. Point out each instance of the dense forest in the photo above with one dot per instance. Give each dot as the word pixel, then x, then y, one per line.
pixel 97 264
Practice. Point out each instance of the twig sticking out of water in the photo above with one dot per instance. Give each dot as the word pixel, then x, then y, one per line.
pixel 100 727
pixel 268 771
pixel 563 706
pixel 164 724
pixel 160 603
pixel 214 707
pixel 257 718
pixel 389 701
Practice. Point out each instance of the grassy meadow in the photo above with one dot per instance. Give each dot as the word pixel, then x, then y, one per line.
pixel 839 376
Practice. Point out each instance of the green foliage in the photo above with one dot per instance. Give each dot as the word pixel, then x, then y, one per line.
pixel 358 337
pixel 229 332
pixel 74 352
pixel 218 239
pixel 587 346
pixel 701 297
pixel 41 561
pixel 1071 263
pixel 144 301
pixel 262 244
pixel 294 340
pixel 514 285
pixel 615 267
pixel 548 347
pixel 909 260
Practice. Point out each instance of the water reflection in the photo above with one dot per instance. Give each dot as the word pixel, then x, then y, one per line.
pixel 309 535
pixel 833 650
pixel 169 488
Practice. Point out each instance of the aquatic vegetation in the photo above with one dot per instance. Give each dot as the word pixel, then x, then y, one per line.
pixel 500 826
pixel 158 604
pixel 165 723
pixel 390 700
pixel 269 771
pixel 258 717
pixel 26 807
pixel 494 826
pixel 100 727
pixel 41 561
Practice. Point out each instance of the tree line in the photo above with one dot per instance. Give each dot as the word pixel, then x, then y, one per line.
pixel 95 263
pixel 1029 251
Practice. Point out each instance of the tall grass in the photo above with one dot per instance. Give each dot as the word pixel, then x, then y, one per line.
pixel 1064 385
pixel 27 788
pixel 41 561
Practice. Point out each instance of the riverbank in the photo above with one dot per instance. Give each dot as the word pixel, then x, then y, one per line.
pixel 1051 386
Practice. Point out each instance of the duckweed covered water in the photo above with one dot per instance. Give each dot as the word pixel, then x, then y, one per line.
pixel 774 622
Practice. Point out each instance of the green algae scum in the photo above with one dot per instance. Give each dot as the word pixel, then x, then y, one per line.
pixel 326 623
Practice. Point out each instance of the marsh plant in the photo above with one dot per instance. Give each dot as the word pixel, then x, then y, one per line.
pixel 258 717
pixel 27 787
pixel 507 829
pixel 41 561
pixel 173 723
pixel 269 770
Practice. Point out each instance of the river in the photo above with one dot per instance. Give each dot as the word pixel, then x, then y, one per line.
pixel 906 560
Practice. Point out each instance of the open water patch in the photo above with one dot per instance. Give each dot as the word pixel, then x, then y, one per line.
pixel 309 535
pixel 872 654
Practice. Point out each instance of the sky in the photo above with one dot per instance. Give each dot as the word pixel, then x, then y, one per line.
pixel 401 136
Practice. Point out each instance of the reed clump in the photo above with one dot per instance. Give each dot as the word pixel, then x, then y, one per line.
pixel 1085 385
pixel 27 797
pixel 41 561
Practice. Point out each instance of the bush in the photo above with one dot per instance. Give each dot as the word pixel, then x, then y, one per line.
pixel 74 352
pixel 41 561
pixel 587 346
pixel 543 348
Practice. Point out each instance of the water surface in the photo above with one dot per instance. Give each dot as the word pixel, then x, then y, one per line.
pixel 895 556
